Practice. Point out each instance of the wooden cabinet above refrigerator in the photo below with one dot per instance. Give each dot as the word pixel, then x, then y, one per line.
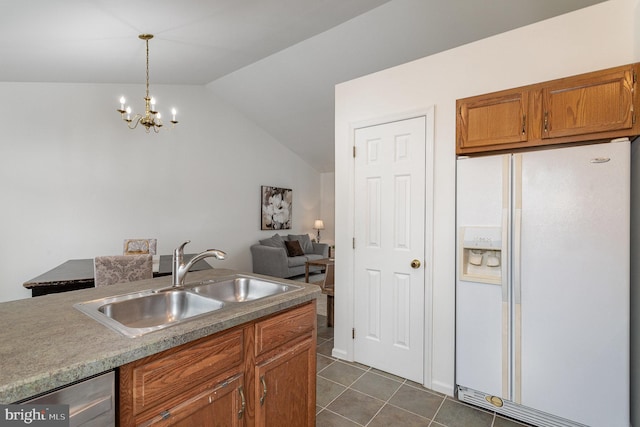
pixel 596 106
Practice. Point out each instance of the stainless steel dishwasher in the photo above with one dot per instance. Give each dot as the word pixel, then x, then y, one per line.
pixel 91 402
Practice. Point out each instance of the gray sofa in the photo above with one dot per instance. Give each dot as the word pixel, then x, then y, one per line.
pixel 272 257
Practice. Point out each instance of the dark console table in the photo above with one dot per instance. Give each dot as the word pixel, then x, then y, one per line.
pixel 78 274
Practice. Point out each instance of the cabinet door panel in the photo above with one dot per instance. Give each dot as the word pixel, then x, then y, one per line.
pixel 285 388
pixel 597 102
pixel 179 373
pixel 283 328
pixel 493 120
pixel 220 407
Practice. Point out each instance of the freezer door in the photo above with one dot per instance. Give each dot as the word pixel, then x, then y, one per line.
pixel 571 282
pixel 482 316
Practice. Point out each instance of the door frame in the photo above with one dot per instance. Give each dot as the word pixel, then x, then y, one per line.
pixel 346 294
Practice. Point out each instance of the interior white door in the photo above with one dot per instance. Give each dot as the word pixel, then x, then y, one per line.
pixel 389 237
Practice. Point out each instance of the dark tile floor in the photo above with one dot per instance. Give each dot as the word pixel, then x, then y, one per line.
pixel 351 394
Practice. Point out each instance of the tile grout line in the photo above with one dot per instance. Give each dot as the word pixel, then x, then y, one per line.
pixel 343 417
pixel 335 382
pixel 435 414
pixel 385 402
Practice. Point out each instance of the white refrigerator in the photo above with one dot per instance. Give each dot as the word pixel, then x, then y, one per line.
pixel 542 284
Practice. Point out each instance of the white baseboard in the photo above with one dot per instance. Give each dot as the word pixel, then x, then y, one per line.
pixel 340 354
pixel 441 387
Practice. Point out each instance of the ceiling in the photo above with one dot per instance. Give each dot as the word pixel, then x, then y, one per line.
pixel 276 61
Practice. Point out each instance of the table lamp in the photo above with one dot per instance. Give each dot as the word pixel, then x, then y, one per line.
pixel 318 225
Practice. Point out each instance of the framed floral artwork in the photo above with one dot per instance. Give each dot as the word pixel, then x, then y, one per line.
pixel 276 208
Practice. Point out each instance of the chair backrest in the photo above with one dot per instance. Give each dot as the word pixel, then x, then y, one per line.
pixel 108 270
pixel 140 246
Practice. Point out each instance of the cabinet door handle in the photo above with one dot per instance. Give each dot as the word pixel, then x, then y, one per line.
pixel 264 390
pixel 243 404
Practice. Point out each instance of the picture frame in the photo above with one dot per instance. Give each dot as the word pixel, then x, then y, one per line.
pixel 276 208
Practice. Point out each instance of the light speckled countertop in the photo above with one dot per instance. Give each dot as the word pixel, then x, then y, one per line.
pixel 46 343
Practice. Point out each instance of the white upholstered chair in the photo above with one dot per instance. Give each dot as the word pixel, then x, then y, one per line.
pixel 108 270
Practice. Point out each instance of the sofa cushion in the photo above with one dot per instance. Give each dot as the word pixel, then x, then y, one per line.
pixel 313 257
pixel 296 261
pixel 294 248
pixel 305 242
pixel 275 241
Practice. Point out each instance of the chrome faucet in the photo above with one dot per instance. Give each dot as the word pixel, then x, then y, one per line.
pixel 180 269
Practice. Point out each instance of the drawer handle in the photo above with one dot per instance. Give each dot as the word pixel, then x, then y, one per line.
pixel 264 390
pixel 244 403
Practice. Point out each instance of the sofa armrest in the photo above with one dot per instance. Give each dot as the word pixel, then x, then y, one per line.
pixel 321 249
pixel 269 260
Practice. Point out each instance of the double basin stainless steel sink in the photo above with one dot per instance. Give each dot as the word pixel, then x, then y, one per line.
pixel 138 313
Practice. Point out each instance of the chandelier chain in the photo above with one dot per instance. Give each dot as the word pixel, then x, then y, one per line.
pixel 147 42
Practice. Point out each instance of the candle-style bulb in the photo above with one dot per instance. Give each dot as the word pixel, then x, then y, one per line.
pixel 173 114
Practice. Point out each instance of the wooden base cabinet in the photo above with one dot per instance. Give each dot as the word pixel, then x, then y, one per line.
pixel 596 106
pixel 262 373
pixel 284 373
pixel 283 399
pixel 221 406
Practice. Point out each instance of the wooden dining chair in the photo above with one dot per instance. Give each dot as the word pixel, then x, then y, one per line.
pixel 108 270
pixel 328 287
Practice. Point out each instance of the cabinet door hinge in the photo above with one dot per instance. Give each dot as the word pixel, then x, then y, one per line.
pixel 635 77
pixel 353 333
pixel 354 151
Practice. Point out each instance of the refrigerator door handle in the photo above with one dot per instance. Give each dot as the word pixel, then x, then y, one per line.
pixel 516 278
pixel 506 317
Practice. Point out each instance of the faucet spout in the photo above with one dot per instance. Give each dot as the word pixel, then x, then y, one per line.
pixel 180 268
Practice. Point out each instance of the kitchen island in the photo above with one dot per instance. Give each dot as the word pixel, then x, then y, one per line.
pixel 46 343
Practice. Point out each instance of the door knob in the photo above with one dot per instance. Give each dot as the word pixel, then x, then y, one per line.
pixel 415 263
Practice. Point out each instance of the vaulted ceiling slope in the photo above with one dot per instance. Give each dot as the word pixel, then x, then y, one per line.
pixel 277 61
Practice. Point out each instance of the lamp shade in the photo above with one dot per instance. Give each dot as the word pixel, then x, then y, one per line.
pixel 318 224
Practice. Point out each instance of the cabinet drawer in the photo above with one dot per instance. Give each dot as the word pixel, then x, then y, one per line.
pixel 181 372
pixel 282 328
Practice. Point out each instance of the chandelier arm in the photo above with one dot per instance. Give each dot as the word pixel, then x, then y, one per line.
pixel 135 121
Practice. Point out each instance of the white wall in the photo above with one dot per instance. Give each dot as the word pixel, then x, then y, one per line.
pixel 327 206
pixel 75 181
pixel 597 37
